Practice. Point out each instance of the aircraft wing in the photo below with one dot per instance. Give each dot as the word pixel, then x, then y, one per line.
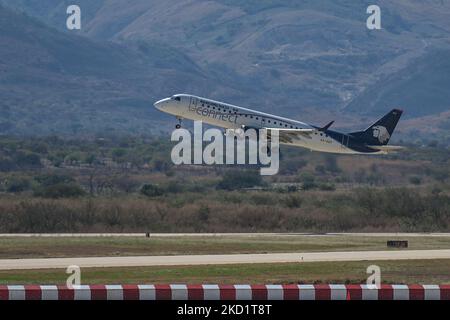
pixel 387 148
pixel 288 135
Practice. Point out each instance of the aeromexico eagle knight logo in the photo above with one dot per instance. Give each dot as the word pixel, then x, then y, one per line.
pixel 381 133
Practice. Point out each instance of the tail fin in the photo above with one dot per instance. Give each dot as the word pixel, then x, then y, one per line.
pixel 381 131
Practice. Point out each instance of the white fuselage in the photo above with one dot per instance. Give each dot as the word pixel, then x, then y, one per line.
pixel 228 116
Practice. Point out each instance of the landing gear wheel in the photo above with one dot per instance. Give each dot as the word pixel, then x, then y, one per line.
pixel 178 126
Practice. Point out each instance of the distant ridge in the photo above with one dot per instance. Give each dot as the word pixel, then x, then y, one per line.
pixel 297 56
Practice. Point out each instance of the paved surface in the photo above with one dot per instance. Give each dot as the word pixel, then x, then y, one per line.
pixel 52 263
pixel 27 235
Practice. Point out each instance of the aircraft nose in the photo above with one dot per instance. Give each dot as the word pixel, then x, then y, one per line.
pixel 161 103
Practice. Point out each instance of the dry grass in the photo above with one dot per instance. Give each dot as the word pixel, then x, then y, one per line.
pixel 399 272
pixel 38 247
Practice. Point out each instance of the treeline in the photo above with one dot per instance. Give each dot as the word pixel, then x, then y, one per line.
pixel 397 209
pixel 62 168
pixel 129 184
pixel 18 154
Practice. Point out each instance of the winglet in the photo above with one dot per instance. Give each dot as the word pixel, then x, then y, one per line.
pixel 325 128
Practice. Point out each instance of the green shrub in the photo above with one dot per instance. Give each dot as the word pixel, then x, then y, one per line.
pixel 320 169
pixel 327 187
pixel 15 185
pixel 308 181
pixel 52 179
pixel 203 213
pixel 291 166
pixel 415 180
pixel 118 153
pixel 60 190
pixel 309 185
pixel 440 174
pixel 236 179
pixel 174 187
pixel 293 202
pixel 151 190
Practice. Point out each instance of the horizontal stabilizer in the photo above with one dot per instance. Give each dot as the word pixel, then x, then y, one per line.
pixel 387 149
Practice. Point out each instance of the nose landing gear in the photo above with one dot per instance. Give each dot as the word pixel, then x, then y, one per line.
pixel 178 126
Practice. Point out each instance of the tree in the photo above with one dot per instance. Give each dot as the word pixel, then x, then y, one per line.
pixel 6 164
pixel 28 160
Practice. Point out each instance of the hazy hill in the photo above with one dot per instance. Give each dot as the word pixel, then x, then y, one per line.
pixel 423 88
pixel 299 56
pixel 58 82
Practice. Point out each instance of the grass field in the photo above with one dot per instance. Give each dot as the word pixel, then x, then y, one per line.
pixel 407 272
pixel 35 247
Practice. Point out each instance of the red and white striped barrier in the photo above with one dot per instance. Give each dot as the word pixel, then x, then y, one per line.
pixel 226 292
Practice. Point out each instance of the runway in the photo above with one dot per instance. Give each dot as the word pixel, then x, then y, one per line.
pixel 143 261
pixel 83 235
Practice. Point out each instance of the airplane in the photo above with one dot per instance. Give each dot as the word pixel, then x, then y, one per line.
pixel 372 140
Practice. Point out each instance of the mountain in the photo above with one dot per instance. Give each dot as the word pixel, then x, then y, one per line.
pixel 54 82
pixel 422 88
pixel 300 56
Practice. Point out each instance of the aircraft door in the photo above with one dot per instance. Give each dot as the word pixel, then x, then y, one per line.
pixel 193 102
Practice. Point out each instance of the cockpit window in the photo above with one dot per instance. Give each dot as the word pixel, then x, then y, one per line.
pixel 176 98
